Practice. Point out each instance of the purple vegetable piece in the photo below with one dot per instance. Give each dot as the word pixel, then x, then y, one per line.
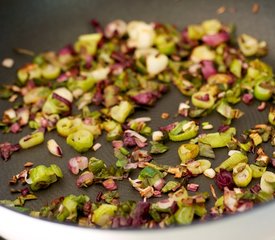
pixel 7 149
pixel 168 127
pixel 98 97
pixel 223 128
pixel 129 141
pixel 216 39
pixel 122 59
pixel 140 214
pixel 247 98
pixel 187 40
pixel 121 222
pixel 256 188
pixel 208 69
pixel 224 179
pixel 97 26
pixel 15 128
pixel 145 98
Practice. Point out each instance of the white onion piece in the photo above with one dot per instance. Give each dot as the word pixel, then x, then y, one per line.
pixel 141 119
pixel 156 64
pixel 78 163
pixel 118 27
pixel 144 52
pixel 100 73
pixel 141 34
pixel 137 135
pixel 64 93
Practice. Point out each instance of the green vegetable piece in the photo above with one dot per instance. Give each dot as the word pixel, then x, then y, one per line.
pixel 122 111
pixel 184 130
pixel 236 67
pixel 157 148
pixel 165 44
pixel 67 126
pixel 170 186
pixel 211 26
pixel 195 32
pixel 84 84
pixel 188 152
pixel 30 71
pixel 36 94
pixel 203 100
pixel 271 116
pixel 263 90
pixel 267 182
pixel 250 46
pixel 50 71
pixel 202 53
pixel 242 174
pixel 218 140
pixel 148 172
pixel 185 215
pixel 232 161
pixel 96 165
pixel 227 111
pixel 32 140
pixel 88 42
pixel 70 206
pixel 81 140
pixel 199 166
pixel 263 196
pixel 103 214
pixel 113 129
pixel 42 176
pixel 200 210
pixel 55 106
pixel 257 171
pixel 206 151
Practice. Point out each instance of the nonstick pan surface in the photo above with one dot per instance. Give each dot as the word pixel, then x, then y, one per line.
pixel 50 25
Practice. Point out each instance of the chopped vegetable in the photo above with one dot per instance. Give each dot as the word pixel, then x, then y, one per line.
pixel 91 88
pixel 81 141
pixel 42 176
pixel 232 161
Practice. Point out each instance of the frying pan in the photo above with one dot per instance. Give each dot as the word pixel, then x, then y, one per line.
pixel 49 25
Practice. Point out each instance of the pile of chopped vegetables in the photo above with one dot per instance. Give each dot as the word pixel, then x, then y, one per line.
pixel 128 66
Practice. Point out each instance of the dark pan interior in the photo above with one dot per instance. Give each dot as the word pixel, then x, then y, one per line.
pixel 49 25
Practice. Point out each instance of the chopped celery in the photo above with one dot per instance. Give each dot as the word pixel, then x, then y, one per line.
pixel 121 111
pixel 217 140
pixel 103 214
pixel 32 139
pixel 185 215
pixel 232 161
pixel 184 130
pixel 188 152
pixel 42 176
pixel 81 140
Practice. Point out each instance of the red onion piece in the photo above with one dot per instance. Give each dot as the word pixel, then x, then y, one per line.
pixel 247 98
pixel 140 213
pixel 193 187
pixel 159 184
pixel 224 179
pixel 208 69
pixel 117 144
pixel 145 98
pixel 85 179
pixel 77 163
pixel 110 184
pixel 7 149
pixel 61 99
pixel 15 128
pixel 223 128
pixel 216 39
